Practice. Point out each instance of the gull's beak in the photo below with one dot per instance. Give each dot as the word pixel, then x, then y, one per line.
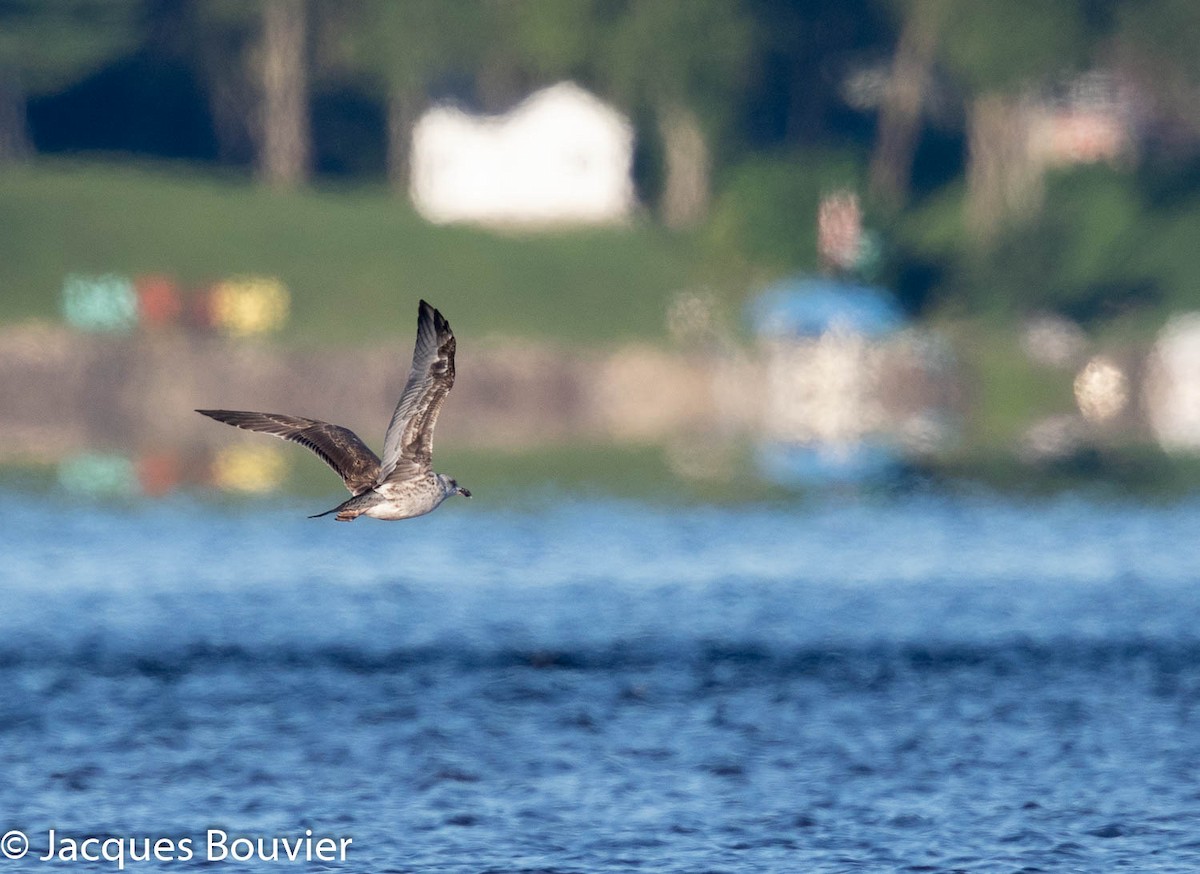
pixel 464 492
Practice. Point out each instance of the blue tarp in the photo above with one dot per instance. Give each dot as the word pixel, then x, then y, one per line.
pixel 805 306
pixel 816 464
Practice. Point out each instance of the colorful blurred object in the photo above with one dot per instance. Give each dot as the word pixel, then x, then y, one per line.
pixel 827 464
pixel 98 474
pixel 158 298
pixel 805 306
pixel 239 307
pixel 249 305
pixel 249 468
pixel 158 473
pixel 100 303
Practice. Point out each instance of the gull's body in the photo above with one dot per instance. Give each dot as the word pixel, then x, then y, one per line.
pixel 402 484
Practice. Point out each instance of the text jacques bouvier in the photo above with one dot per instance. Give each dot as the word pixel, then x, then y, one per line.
pixel 217 846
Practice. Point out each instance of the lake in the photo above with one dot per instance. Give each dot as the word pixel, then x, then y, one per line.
pixel 928 681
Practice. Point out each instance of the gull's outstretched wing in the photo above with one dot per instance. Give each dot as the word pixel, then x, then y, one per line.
pixel 338 447
pixel 408 445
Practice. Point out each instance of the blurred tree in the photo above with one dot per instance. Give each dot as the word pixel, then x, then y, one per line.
pixel 404 49
pixel 1157 51
pixel 255 60
pixel 802 56
pixel 997 52
pixel 219 36
pixel 903 95
pixel 285 148
pixel 685 61
pixel 532 44
pixel 46 45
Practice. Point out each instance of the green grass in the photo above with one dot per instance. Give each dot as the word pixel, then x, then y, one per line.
pixel 355 260
pixel 1008 392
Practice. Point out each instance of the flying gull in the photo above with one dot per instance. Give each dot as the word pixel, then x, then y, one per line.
pixel 402 484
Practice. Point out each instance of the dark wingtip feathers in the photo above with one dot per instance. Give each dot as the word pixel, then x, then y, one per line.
pixel 425 311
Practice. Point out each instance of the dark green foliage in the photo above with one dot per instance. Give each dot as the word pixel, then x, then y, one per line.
pixel 1004 46
pixel 765 80
pixel 1098 249
pixel 767 210
pixel 52 43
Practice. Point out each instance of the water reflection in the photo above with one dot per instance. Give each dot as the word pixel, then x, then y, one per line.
pixel 680 473
pixel 249 469
pixel 237 469
pixel 820 464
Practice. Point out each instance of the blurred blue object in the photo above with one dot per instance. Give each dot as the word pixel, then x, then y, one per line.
pixel 826 464
pixel 100 303
pixel 808 306
pixel 98 474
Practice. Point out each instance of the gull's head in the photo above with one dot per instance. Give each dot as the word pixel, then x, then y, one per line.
pixel 451 487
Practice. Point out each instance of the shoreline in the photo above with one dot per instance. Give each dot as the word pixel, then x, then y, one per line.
pixel 65 390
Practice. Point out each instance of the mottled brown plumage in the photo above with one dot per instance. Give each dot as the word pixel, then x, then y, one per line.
pixel 339 447
pixel 402 484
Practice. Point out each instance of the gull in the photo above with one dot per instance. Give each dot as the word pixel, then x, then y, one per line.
pixel 402 484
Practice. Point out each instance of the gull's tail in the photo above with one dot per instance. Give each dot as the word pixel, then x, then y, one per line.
pixel 351 509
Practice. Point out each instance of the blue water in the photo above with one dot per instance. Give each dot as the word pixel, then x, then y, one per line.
pixel 906 684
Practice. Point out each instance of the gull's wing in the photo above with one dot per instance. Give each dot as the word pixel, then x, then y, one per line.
pixel 408 445
pixel 338 447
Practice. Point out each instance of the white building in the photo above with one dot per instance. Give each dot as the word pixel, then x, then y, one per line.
pixel 560 156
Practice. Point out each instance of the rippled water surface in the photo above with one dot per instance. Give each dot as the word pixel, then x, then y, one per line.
pixel 919 683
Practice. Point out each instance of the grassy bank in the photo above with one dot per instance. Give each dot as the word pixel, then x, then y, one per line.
pixel 356 260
